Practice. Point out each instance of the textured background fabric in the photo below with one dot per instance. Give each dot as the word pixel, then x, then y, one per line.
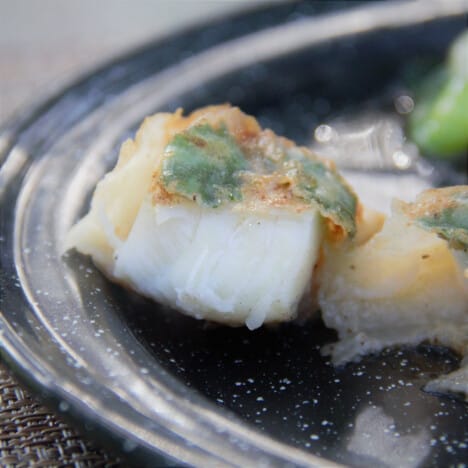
pixel 31 435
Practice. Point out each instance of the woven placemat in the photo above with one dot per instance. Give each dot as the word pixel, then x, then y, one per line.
pixel 31 435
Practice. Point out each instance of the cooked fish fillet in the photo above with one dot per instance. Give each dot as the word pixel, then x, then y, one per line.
pixel 221 265
pixel 405 285
pixel 216 217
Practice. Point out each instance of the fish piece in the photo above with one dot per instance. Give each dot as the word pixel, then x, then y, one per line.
pixel 216 217
pixel 407 284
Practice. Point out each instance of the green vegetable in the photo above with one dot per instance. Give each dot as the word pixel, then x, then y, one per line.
pixel 439 123
pixel 203 163
pixel 451 224
pixel 451 220
pixel 335 200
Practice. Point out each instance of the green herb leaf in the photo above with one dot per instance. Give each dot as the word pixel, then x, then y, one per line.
pixel 203 164
pixel 443 211
pixel 324 186
pixel 451 220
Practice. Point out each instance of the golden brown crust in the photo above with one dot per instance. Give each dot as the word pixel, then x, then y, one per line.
pixel 261 147
pixel 433 201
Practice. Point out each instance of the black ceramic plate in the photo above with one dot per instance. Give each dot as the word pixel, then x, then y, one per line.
pixel 167 388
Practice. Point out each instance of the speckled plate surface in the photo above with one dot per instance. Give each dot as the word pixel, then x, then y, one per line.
pixel 163 387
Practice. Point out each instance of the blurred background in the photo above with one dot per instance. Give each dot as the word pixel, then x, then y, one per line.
pixel 43 44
